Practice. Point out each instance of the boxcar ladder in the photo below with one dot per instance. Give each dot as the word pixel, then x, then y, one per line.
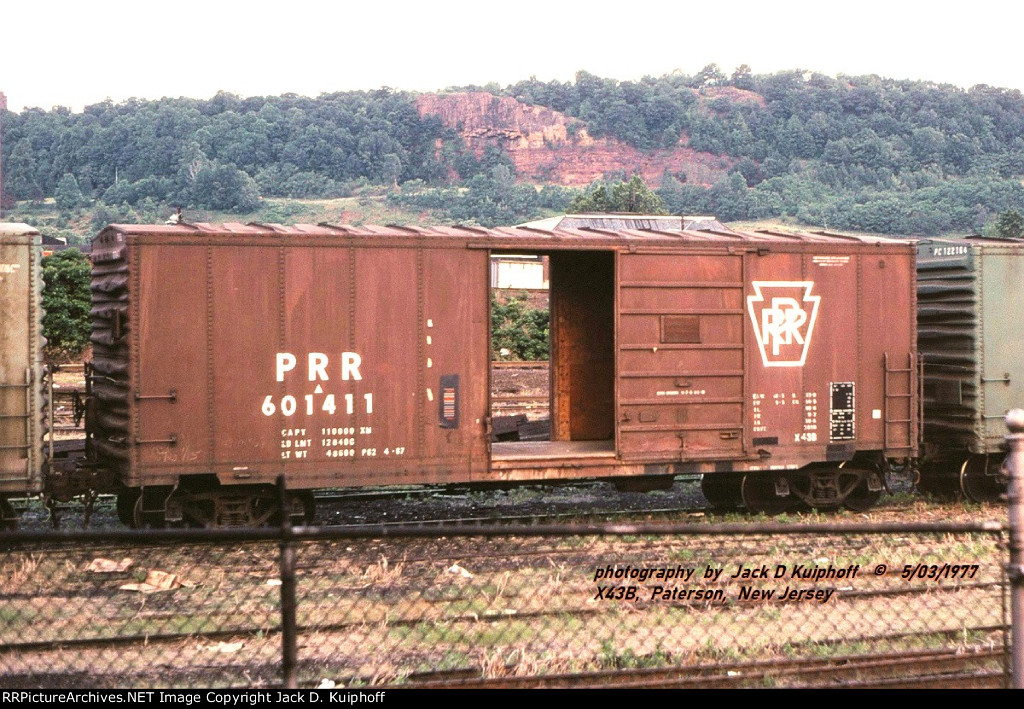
pixel 891 395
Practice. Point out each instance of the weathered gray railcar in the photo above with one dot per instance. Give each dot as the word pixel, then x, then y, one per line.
pixel 22 397
pixel 971 341
pixel 780 366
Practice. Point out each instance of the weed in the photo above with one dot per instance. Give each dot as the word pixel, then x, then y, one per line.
pixel 612 658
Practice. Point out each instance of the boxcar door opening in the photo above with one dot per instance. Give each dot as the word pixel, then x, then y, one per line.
pixel 581 343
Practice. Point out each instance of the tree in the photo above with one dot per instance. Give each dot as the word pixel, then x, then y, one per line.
pixel 519 329
pixel 633 196
pixel 1010 225
pixel 20 172
pixel 67 195
pixel 391 169
pixel 743 78
pixel 66 296
pixel 710 75
pixel 224 187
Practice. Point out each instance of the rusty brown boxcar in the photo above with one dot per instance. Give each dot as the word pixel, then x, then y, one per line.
pixel 780 366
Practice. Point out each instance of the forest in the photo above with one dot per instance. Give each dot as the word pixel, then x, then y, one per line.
pixel 849 153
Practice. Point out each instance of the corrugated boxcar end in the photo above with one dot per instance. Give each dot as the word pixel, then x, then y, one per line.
pixel 108 411
pixel 948 340
pixel 22 397
pixel 970 343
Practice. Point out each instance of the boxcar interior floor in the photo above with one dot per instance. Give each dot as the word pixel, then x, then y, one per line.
pixel 528 450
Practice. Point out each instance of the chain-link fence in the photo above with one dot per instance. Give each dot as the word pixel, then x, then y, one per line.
pixel 697 605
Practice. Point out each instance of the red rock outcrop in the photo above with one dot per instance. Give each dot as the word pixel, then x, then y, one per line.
pixel 548 146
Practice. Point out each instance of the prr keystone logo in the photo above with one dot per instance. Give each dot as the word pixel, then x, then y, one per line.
pixel 783 314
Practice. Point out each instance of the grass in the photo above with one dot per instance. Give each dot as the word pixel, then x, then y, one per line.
pixel 613 658
pixel 384 609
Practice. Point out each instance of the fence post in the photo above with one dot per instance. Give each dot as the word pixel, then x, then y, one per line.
pixel 289 634
pixel 1015 570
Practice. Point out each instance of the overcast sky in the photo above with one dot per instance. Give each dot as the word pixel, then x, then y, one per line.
pixel 77 53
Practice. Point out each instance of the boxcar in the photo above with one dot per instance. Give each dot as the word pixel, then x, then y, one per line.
pixel 22 404
pixel 971 344
pixel 780 366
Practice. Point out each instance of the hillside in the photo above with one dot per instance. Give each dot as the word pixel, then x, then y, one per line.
pixel 853 153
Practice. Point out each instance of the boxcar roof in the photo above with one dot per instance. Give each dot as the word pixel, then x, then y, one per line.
pixel 973 240
pixel 992 240
pixel 502 237
pixel 16 229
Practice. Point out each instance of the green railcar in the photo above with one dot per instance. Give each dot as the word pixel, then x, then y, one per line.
pixel 971 339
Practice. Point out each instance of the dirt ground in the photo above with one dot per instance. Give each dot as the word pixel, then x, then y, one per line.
pixel 526 381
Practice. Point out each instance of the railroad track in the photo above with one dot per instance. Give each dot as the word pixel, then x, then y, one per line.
pixel 958 667
pixel 427 506
pixel 520 364
pixel 955 667
pixel 946 669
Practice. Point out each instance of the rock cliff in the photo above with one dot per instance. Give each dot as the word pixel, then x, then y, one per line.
pixel 548 146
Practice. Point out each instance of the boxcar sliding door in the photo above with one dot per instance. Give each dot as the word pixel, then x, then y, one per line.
pixel 680 364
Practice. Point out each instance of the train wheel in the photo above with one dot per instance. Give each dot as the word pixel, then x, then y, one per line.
pixel 723 491
pixel 256 506
pixel 759 494
pixel 303 508
pixel 148 507
pixel 980 480
pixel 126 500
pixel 860 496
pixel 8 517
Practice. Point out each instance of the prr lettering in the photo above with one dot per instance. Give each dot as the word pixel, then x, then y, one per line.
pixel 317 364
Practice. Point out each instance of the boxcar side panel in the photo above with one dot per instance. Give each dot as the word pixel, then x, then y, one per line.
pixel 169 408
pixel 391 391
pixel 889 367
pixel 949 340
pixel 331 363
pixel 795 321
pixel 454 355
pixel 824 325
pixel 21 412
pixel 1000 365
pixel 250 412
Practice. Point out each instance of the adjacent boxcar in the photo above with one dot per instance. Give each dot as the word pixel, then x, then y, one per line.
pixel 22 405
pixel 781 366
pixel 971 344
